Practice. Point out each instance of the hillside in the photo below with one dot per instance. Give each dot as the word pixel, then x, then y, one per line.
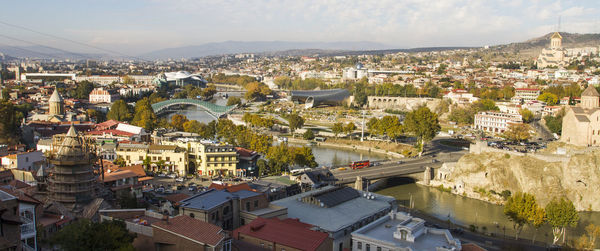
pixel 533 47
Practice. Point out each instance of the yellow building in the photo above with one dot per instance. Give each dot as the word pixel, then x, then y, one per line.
pixel 173 159
pixel 209 159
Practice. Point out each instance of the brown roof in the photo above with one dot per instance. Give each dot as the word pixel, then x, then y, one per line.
pixel 193 229
pixel 21 196
pixel 117 175
pixel 137 169
pixel 289 232
pixel 590 91
pixel 231 188
pixel 472 247
pixel 173 198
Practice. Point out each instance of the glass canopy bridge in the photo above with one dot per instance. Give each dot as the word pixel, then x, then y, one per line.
pixel 213 110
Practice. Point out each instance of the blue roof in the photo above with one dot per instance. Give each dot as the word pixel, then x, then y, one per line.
pixel 207 200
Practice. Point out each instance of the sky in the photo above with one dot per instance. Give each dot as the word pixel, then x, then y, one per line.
pixel 139 26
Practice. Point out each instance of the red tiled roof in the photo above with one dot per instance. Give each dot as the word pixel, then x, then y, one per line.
pixel 107 124
pixel 137 169
pixel 231 188
pixel 21 195
pixel 472 247
pixel 174 198
pixel 111 131
pixel 193 229
pixel 245 152
pixel 18 184
pixel 287 232
pixel 117 175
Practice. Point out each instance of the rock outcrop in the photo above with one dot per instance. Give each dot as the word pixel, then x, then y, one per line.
pixel 575 176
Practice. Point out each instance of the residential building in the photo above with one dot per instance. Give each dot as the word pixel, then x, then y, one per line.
pixel 277 234
pixel 179 78
pixel 186 233
pixel 229 209
pixel 460 96
pixel 247 162
pixel 28 208
pixel 209 159
pixel 26 161
pixel 524 95
pixel 400 231
pixel 170 158
pixel 100 95
pixel 10 222
pixel 581 123
pixel 495 122
pixel 337 211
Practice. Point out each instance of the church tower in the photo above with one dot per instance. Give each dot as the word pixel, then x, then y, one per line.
pixel 590 98
pixel 56 104
pixel 556 41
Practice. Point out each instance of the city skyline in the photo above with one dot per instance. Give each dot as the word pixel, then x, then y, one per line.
pixel 137 27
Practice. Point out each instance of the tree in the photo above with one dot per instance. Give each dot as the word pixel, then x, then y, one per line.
pixel 119 111
pixel 422 123
pixel 257 91
pixel 119 161
pixel 192 126
pixel 549 98
pixel 208 92
pixel 517 132
pixel 349 128
pixel 147 163
pixel 484 105
pixel 234 101
pixel 295 121
pixel 9 124
pixel 588 240
pixel 144 115
pixel 521 208
pixel 337 128
pixel 86 235
pixel 96 115
pixel 526 114
pixel 554 123
pixel 561 214
pixel 308 135
pixel 177 121
pixel 128 80
pixel 82 90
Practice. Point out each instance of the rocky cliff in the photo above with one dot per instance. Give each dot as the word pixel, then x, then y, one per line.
pixel 574 175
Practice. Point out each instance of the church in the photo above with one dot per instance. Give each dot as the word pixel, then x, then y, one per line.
pixel 581 123
pixel 555 56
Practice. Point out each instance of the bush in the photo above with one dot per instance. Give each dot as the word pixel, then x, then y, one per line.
pixel 505 194
pixel 507 156
pixel 308 135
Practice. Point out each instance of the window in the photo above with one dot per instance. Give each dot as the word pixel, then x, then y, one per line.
pixel 247 206
pixel 368 247
pixel 168 158
pixel 359 245
pixel 378 248
pixel 255 203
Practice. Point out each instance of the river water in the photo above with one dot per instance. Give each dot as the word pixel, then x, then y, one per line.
pixel 466 211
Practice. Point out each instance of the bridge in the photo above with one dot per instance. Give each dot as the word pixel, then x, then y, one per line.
pixel 213 110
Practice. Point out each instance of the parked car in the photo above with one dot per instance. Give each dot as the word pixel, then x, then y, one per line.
pixel 160 190
pixel 162 175
pixel 180 179
pixel 172 175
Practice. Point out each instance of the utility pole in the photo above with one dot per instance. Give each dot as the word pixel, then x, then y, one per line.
pixel 362 130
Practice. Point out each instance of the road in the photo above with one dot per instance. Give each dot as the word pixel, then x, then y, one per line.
pixel 435 155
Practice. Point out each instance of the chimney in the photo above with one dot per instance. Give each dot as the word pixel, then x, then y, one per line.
pixel 165 218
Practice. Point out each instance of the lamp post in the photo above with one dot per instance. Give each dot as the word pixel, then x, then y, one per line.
pixel 362 130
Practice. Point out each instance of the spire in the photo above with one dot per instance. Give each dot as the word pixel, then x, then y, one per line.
pixel 72 131
pixel 56 97
pixel 590 91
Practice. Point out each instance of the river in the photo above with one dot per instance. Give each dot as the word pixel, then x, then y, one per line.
pixel 464 211
pixel 326 156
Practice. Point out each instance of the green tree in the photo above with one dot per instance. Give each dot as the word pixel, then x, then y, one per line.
pixel 262 166
pixel 177 121
pixel 209 91
pixel 144 115
pixel 508 92
pixel 422 123
pixel 527 115
pixel 554 123
pixel 86 235
pixel 82 90
pixel 119 111
pixel 484 105
pixel 549 98
pixel 520 208
pixel 257 91
pixel 295 122
pixel 517 132
pixel 234 101
pixel 337 128
pixel 561 214
pixel 9 124
pixel 147 163
pixel 119 161
pixel 308 135
pixel 349 128
pixel 192 126
pixel 96 115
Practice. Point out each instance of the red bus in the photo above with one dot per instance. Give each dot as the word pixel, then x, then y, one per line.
pixel 359 164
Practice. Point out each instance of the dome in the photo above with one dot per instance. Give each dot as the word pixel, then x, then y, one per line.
pixel 56 97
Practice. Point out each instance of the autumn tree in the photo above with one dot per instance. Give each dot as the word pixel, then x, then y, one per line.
pixel 128 80
pixel 521 209
pixel 178 120
pixel 588 240
pixel 549 98
pixel 526 114
pixel 517 132
pixel 257 91
pixel 349 128
pixel 422 123
pixel 96 115
pixel 119 111
pixel 560 214
pixel 234 101
pixel 337 128
pixel 208 92
pixel 9 124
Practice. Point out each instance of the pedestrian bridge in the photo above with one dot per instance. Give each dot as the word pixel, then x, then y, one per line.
pixel 213 110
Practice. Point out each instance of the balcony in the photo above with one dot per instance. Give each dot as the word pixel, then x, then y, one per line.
pixel 27 229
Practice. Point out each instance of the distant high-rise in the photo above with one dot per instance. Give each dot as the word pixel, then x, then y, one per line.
pixel 72 179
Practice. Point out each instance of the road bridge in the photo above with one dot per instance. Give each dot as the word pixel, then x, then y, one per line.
pixel 214 110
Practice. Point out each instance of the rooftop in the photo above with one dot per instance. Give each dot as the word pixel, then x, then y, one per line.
pixel 289 232
pixel 334 218
pixel 206 200
pixel 190 228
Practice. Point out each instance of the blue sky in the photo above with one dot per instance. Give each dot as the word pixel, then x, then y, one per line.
pixel 138 26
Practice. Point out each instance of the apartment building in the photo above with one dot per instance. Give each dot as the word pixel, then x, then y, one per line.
pixel 100 95
pixel 169 158
pixel 495 122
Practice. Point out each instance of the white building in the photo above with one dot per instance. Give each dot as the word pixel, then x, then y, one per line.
pixel 356 72
pixel 525 95
pixel 26 161
pixel 460 96
pixel 99 95
pixel 103 80
pixel 495 122
pixel 400 231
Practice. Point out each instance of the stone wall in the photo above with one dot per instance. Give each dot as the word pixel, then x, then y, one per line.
pixel 401 103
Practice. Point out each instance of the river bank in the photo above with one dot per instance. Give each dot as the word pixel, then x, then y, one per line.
pixel 347 147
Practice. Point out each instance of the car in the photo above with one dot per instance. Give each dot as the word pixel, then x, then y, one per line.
pixel 162 175
pixel 180 187
pixel 169 191
pixel 172 176
pixel 160 190
pixel 180 179
pixel 192 189
pixel 341 168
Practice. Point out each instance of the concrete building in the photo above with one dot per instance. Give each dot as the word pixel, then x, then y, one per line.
pixel 99 95
pixel 28 208
pixel 399 231
pixel 399 103
pixel 102 80
pixel 581 123
pixel 524 95
pixel 337 211
pixel 209 159
pixel 173 159
pixel 356 72
pixel 26 161
pixel 495 122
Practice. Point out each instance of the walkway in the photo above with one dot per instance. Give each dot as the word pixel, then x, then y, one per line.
pixel 214 110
